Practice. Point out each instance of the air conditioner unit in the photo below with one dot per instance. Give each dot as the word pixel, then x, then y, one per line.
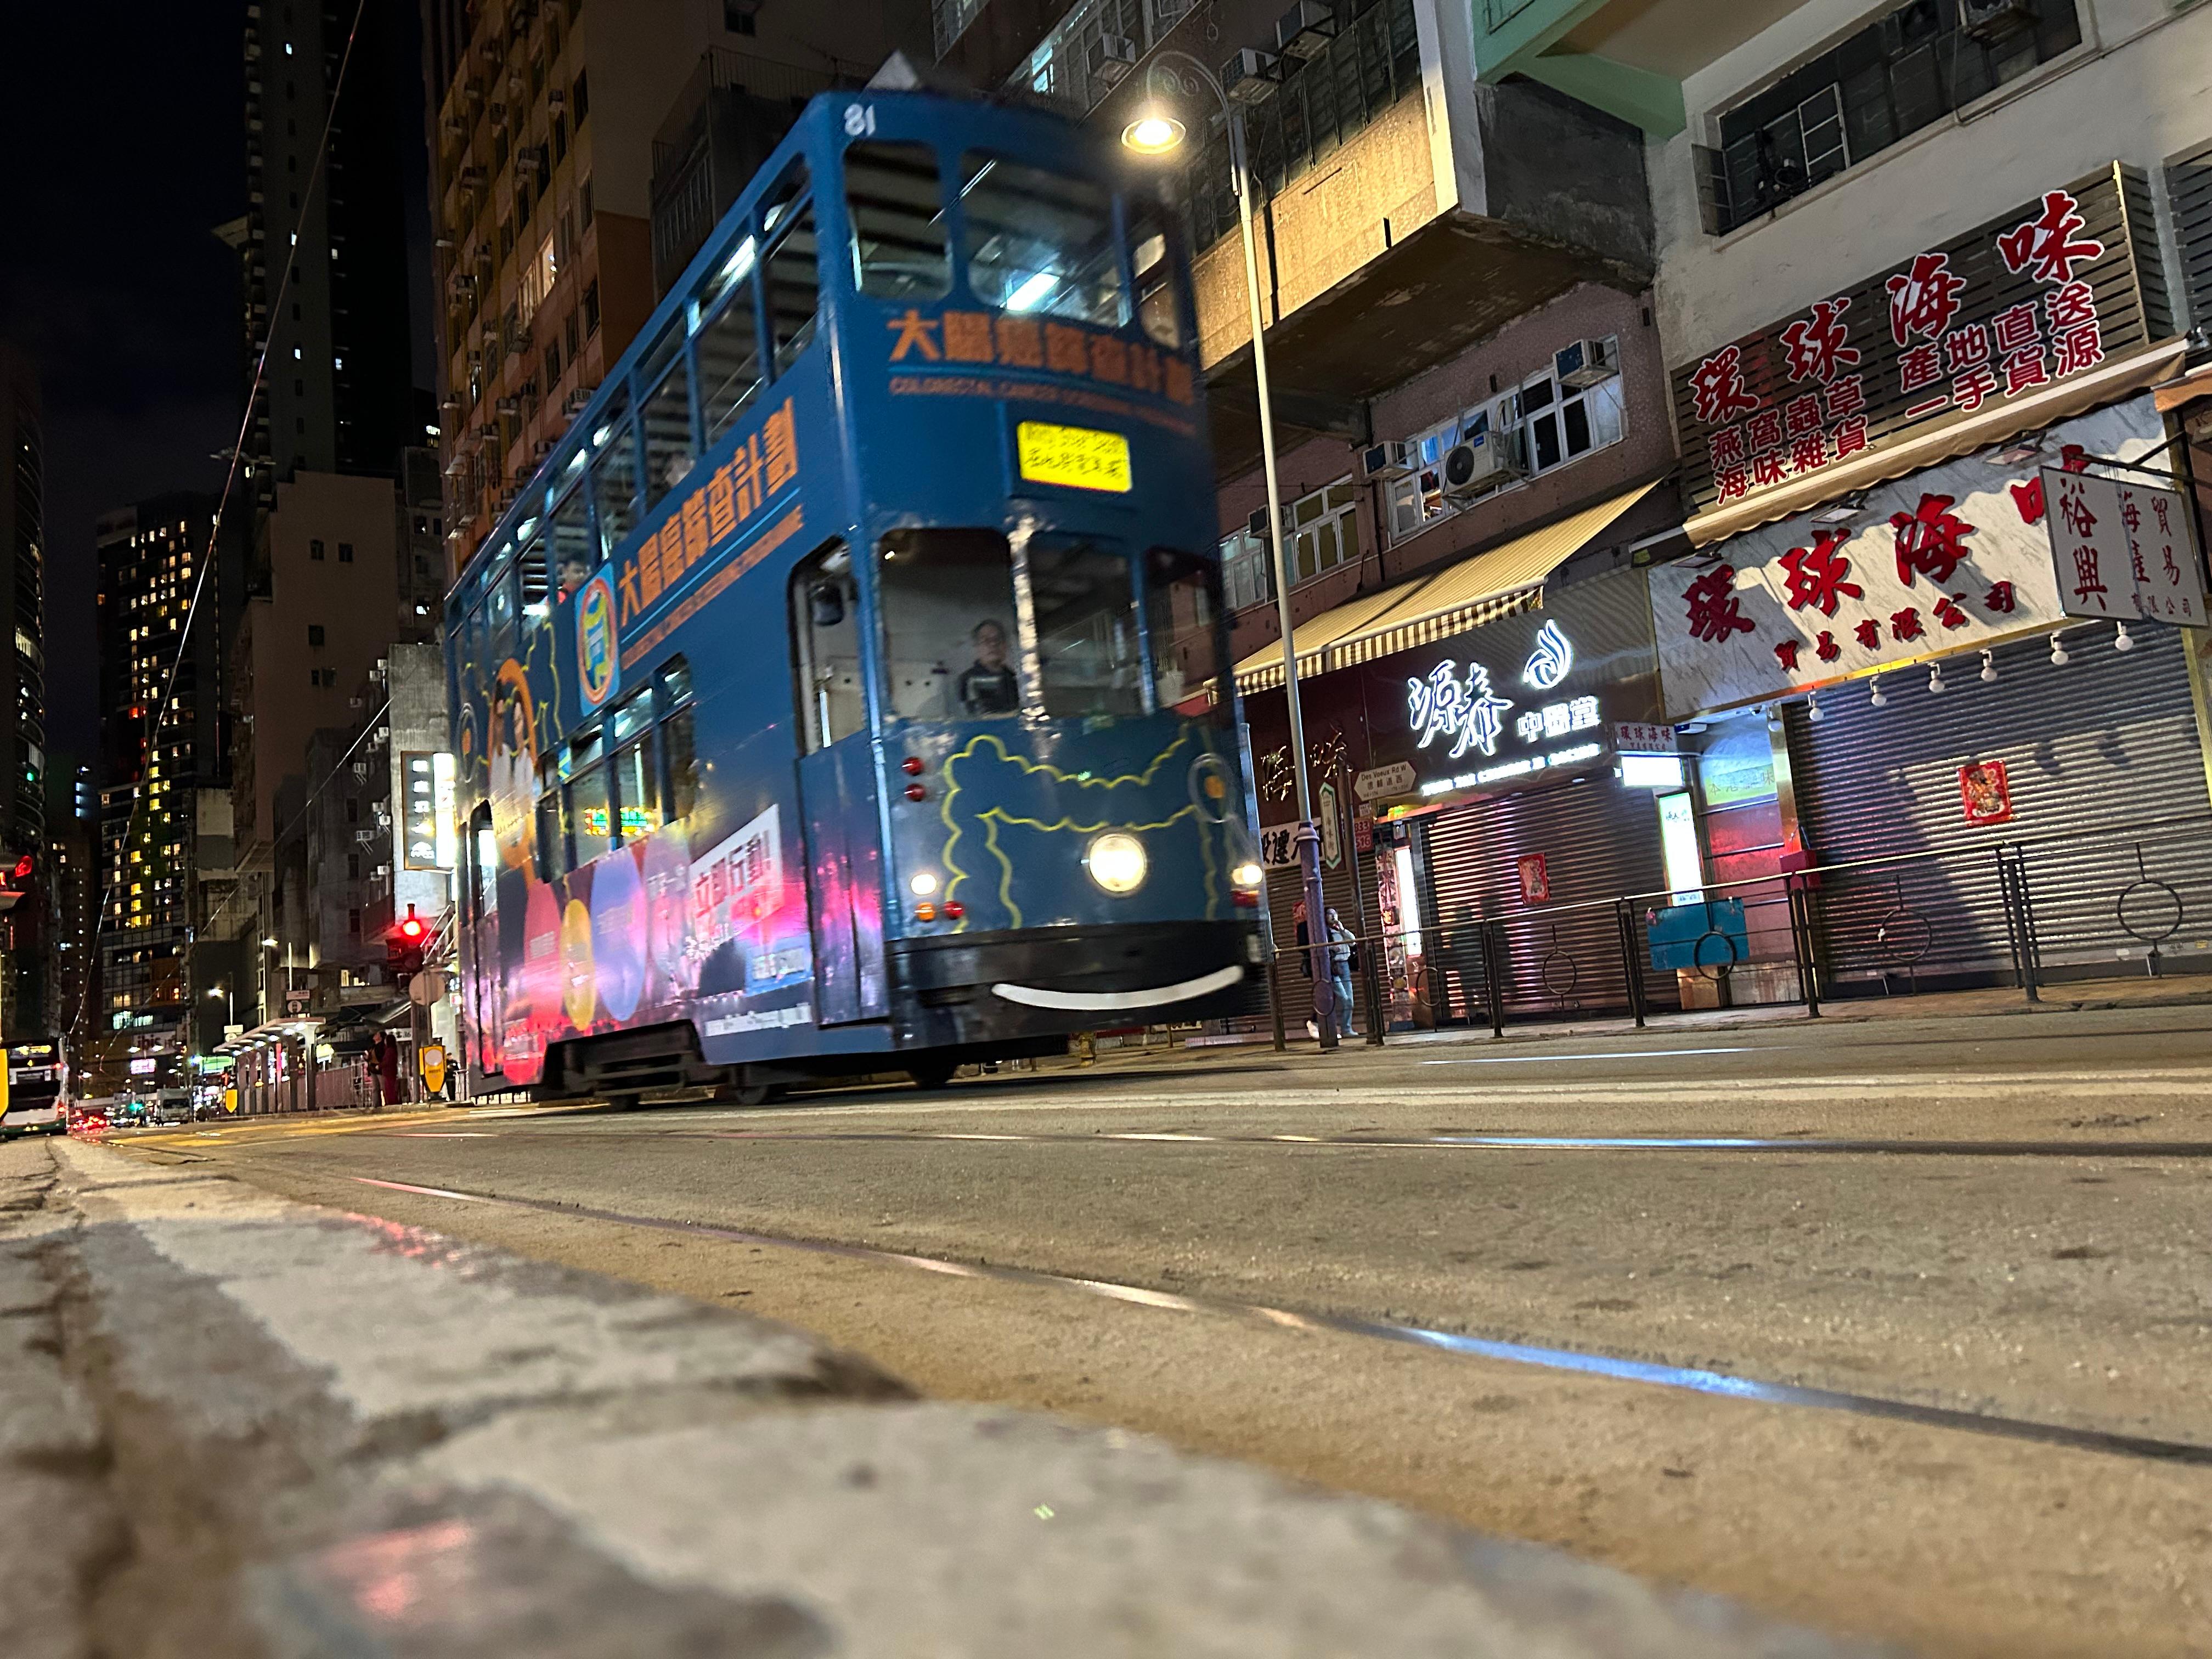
pixel 1993 19
pixel 1257 524
pixel 1110 58
pixel 1587 362
pixel 1306 29
pixel 1250 76
pixel 1393 459
pixel 1480 465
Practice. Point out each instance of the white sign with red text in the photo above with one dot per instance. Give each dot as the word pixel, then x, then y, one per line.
pixel 2169 570
pixel 1952 557
pixel 2090 561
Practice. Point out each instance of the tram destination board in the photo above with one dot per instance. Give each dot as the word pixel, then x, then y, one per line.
pixel 1079 457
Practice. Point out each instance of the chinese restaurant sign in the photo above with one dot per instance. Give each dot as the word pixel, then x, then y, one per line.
pixel 2048 290
pixel 1954 556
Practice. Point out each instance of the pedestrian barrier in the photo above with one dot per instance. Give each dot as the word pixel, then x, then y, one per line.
pixel 2132 900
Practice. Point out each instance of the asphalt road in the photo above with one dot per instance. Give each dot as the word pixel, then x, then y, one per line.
pixel 1897 1328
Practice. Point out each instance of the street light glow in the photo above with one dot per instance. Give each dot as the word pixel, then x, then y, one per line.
pixel 1154 132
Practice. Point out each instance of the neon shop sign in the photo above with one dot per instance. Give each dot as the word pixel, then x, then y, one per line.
pixel 1470 711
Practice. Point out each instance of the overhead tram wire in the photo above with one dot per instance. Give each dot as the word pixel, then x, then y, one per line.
pixel 315 176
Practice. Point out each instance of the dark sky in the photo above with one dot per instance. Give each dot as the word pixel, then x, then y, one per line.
pixel 123 125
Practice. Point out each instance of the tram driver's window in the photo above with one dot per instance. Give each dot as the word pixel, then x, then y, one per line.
pixel 1182 610
pixel 1088 646
pixel 664 402
pixel 826 631
pixel 1040 242
pixel 573 555
pixel 948 603
pixel 893 197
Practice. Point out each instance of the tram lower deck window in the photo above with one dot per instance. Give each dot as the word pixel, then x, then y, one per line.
pixel 1089 650
pixel 949 633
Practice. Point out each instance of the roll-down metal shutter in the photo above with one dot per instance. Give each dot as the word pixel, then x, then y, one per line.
pixel 2103 764
pixel 1599 841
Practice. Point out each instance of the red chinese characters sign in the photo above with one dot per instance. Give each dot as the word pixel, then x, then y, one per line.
pixel 2045 292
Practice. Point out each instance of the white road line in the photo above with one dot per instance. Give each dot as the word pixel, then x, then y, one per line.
pixel 1626 1054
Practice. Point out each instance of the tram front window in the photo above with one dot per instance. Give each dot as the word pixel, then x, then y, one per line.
pixel 1040 242
pixel 948 602
pixel 1088 646
pixel 1182 604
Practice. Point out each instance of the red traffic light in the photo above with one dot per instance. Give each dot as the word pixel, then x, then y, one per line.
pixel 412 927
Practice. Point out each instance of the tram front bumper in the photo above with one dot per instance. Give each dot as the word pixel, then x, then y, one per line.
pixel 965 988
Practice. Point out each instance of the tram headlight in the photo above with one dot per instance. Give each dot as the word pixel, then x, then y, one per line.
pixel 923 884
pixel 1116 862
pixel 1249 876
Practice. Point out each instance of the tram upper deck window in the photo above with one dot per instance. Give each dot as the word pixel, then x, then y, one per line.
pixel 573 556
pixel 1040 242
pixel 728 346
pixel 825 628
pixel 664 405
pixel 1183 612
pixel 794 289
pixel 1088 645
pixel 536 582
pixel 896 202
pixel 1159 306
pixel 614 476
pixel 948 605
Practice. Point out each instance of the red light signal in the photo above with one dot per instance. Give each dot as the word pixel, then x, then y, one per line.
pixel 405 945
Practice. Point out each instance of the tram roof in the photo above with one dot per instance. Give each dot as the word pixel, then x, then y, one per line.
pixel 813 131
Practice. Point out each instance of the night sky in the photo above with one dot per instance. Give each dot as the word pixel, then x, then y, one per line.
pixel 124 127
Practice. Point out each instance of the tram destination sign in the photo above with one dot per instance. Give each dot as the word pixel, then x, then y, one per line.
pixel 2048 290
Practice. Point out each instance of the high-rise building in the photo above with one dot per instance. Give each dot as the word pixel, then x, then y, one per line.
pixel 544 122
pixel 339 394
pixel 28 939
pixel 73 892
pixel 151 763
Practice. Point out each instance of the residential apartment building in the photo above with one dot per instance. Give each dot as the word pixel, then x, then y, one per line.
pixel 543 162
pixel 150 557
pixel 25 972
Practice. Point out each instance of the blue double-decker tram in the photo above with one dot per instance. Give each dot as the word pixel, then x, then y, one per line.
pixel 847 692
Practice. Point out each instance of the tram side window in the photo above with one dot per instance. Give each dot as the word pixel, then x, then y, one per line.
pixel 826 631
pixel 614 478
pixel 485 862
pixel 552 832
pixel 894 199
pixel 1159 306
pixel 535 583
pixel 664 405
pixel 591 809
pixel 1042 242
pixel 573 556
pixel 948 603
pixel 1182 610
pixel 1087 621
pixel 728 344
pixel 794 289
pixel 636 779
pixel 679 752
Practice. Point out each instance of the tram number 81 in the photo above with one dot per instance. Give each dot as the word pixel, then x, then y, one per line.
pixel 859 120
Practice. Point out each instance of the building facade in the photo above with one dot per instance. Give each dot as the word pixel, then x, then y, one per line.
pixel 25 974
pixel 543 162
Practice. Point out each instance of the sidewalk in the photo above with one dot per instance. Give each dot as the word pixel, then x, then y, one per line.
pixel 235 1423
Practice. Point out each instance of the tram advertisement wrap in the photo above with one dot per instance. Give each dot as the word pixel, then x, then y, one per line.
pixel 652 933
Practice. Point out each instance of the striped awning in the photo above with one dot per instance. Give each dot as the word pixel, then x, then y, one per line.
pixel 1490 585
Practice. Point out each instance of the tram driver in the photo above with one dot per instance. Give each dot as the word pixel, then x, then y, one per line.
pixel 987 686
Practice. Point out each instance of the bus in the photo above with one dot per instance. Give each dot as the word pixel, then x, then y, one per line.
pixel 846 692
pixel 31 1100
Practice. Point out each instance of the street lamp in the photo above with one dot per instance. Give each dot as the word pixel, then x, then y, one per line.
pixel 229 999
pixel 1157 132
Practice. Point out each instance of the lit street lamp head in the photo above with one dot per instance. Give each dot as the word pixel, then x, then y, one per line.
pixel 1154 132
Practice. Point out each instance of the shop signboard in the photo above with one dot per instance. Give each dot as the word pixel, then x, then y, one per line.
pixel 2048 290
pixel 1644 738
pixel 2168 569
pixel 1332 838
pixel 1950 558
pixel 2091 564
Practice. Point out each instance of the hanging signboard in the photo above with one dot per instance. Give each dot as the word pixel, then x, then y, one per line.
pixel 2168 569
pixel 1332 838
pixel 1950 558
pixel 2091 561
pixel 2049 290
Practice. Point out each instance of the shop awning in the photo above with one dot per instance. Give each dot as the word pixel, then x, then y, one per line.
pixel 1990 424
pixel 2178 394
pixel 1477 589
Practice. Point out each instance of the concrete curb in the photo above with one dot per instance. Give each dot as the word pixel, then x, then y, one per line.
pixel 334 1434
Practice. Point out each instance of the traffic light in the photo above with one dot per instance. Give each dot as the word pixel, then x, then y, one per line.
pixel 405 945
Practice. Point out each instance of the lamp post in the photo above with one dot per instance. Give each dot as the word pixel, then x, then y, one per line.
pixel 1155 131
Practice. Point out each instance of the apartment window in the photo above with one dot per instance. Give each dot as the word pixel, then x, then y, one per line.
pixel 1324 530
pixel 315 549
pixel 345 552
pixel 353 867
pixel 737 18
pixel 314 634
pixel 1893 78
pixel 1246 578
pixel 353 923
pixel 353 810
pixel 1541 424
pixel 579 100
pixel 591 309
pixel 584 204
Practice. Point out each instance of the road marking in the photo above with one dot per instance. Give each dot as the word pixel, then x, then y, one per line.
pixel 1690 1379
pixel 446 1134
pixel 1625 1054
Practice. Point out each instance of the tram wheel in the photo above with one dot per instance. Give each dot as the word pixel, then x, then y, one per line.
pixel 933 1073
pixel 753 1094
pixel 622 1102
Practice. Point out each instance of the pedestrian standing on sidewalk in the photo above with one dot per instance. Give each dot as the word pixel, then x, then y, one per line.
pixel 1340 952
pixel 386 1056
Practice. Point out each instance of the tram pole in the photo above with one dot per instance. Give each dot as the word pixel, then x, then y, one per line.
pixel 1154 133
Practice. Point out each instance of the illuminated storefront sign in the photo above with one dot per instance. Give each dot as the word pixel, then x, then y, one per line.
pixel 1443 704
